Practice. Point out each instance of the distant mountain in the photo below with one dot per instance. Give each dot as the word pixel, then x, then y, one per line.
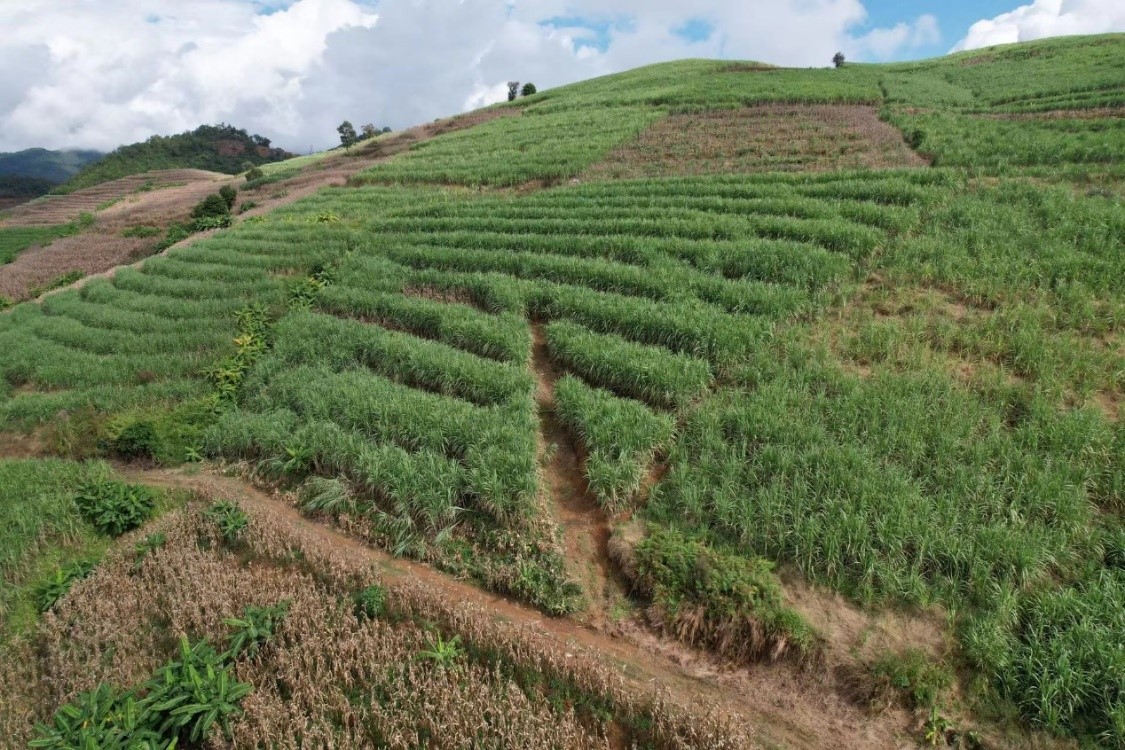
pixel 33 172
pixel 218 148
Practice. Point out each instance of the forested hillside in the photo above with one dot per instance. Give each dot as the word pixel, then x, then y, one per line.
pixel 215 148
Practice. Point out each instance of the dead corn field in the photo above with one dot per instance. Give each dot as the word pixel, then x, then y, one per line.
pixel 761 139
pixel 332 676
pixel 129 194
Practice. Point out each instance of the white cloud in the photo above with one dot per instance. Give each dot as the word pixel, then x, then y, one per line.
pixel 883 44
pixel 80 73
pixel 1046 18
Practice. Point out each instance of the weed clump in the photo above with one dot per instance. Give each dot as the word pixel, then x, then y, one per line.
pixel 229 518
pixel 58 583
pixel 115 507
pixel 731 603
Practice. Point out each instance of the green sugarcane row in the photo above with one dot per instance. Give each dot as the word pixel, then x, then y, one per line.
pixel 647 373
pixel 495 444
pixel 775 261
pixel 833 234
pixel 620 437
pixel 313 338
pixel 504 337
pixel 666 281
pixel 424 484
pixel 687 327
pixel 611 207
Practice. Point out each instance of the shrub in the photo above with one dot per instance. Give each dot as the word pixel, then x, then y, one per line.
pixel 254 174
pixel 528 90
pixel 186 697
pixel 141 231
pixel 254 628
pixel 104 718
pixel 136 440
pixel 228 194
pixel 176 233
pixel 246 206
pixel 912 677
pixel 115 507
pixel 203 223
pixel 214 205
pixel 728 602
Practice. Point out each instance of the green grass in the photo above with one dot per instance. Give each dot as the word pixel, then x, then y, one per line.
pixel 41 529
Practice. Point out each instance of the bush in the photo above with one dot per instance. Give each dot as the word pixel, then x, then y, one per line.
pixel 176 233
pixel 256 627
pixel 203 223
pixel 254 174
pixel 115 507
pixel 136 440
pixel 912 677
pixel 104 718
pixel 731 603
pixel 246 206
pixel 228 194
pixel 214 205
pixel 141 231
pixel 528 90
pixel 371 602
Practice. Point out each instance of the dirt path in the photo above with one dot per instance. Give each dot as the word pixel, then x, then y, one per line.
pixel 585 526
pixel 785 708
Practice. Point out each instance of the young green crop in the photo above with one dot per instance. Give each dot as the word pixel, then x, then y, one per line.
pixel 648 373
pixel 621 439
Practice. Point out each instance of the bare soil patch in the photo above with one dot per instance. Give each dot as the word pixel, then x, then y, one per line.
pixel 761 139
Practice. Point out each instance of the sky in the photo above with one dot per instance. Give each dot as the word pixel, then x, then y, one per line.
pixel 95 74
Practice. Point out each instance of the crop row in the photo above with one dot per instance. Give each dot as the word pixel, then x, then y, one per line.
pixel 664 282
pixel 312 338
pixel 620 438
pixel 649 373
pixel 833 234
pixel 496 444
pixel 503 337
pixel 769 260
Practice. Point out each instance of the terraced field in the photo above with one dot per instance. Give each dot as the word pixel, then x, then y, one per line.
pixel 711 407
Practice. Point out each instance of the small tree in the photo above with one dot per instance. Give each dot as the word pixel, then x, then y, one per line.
pixel 513 90
pixel 838 59
pixel 528 89
pixel 229 194
pixel 369 131
pixel 347 134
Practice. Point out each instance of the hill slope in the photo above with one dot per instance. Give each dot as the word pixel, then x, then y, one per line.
pixel 822 368
pixel 214 148
pixel 33 172
pixel 54 166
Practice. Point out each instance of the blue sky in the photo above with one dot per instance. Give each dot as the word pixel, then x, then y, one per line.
pixel 954 18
